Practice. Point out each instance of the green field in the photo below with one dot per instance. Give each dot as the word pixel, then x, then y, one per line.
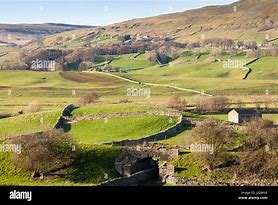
pixel 29 123
pixel 127 62
pixel 213 77
pixel 113 108
pixel 117 129
pixel 95 164
pixel 52 89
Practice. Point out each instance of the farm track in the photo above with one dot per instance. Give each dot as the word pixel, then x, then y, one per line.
pixel 3 54
pixel 152 84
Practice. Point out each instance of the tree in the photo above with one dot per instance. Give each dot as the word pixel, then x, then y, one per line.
pixel 88 99
pixel 177 103
pixel 44 152
pixel 260 158
pixel 210 104
pixel 33 107
pixel 217 134
pixel 82 66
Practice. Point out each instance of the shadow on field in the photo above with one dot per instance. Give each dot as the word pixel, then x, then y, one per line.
pixel 66 127
pixel 94 164
pixel 178 131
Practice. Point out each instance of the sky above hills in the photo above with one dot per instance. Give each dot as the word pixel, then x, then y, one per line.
pixel 92 12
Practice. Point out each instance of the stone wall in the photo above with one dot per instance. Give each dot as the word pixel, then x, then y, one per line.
pixel 62 119
pixel 75 119
pixel 134 179
pixel 155 137
pixel 155 150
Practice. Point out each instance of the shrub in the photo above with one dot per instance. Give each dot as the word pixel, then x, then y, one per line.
pixel 82 66
pixel 88 99
pixel 125 101
pixel 216 133
pixel 260 159
pixel 43 152
pixel 33 107
pixel 210 104
pixel 177 103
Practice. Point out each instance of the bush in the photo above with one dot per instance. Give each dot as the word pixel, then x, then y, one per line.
pixel 43 152
pixel 177 103
pixel 216 133
pixel 33 107
pixel 88 99
pixel 210 104
pixel 82 66
pixel 260 159
pixel 125 101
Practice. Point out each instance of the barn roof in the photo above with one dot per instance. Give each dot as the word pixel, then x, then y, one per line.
pixel 246 111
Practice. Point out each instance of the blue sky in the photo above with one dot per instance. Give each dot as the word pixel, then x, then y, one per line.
pixel 92 12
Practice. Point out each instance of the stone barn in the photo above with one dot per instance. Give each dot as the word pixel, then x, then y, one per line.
pixel 243 115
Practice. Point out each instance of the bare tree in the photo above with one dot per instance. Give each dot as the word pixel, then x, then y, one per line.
pixel 217 134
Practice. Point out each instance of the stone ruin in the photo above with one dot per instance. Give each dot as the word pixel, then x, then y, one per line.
pixel 129 163
pixel 145 157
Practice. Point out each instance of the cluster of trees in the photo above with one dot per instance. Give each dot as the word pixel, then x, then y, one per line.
pixel 263 53
pixel 41 58
pixel 162 50
pixel 205 104
pixel 14 67
pixel 218 42
pixel 176 102
pixel 43 54
pixel 226 44
pixel 259 144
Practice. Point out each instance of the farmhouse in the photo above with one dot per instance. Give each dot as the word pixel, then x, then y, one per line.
pixel 243 115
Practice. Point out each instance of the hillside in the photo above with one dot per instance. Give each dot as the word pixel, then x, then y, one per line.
pixel 20 34
pixel 247 20
pixel 249 15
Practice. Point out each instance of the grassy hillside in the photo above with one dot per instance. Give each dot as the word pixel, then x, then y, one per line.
pixel 29 123
pixel 245 20
pixel 22 34
pixel 19 88
pixel 213 77
pixel 127 62
pixel 113 108
pixel 95 164
pixel 117 129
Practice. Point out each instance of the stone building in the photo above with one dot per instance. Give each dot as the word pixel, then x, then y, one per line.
pixel 243 115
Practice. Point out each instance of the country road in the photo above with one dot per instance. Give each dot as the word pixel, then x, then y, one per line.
pixel 151 84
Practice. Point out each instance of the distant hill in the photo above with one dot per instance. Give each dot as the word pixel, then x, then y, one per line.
pixel 247 20
pixel 20 34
